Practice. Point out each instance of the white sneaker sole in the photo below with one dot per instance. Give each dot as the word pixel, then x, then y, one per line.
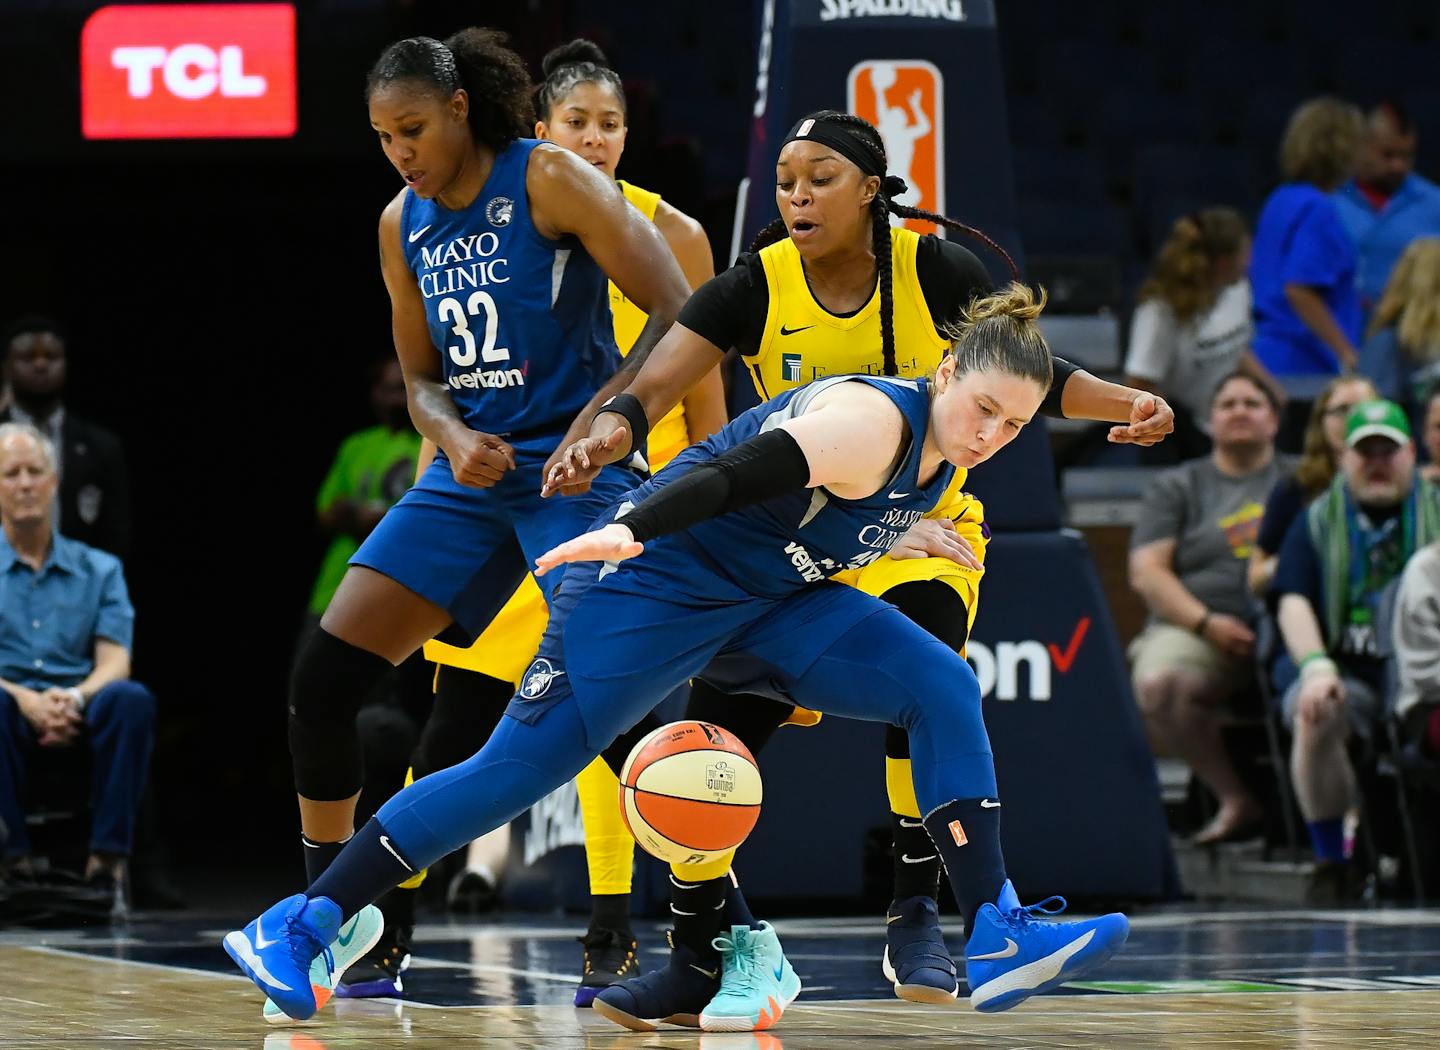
pixel 730 1023
pixel 916 993
pixel 345 957
pixel 1031 975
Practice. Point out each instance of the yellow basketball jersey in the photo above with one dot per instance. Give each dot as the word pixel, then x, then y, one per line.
pixel 803 341
pixel 668 437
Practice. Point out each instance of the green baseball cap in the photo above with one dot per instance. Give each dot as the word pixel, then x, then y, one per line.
pixel 1377 419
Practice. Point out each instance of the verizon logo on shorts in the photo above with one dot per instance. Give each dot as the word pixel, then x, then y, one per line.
pixel 188 71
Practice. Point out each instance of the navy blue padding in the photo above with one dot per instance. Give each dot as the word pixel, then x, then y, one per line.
pixel 1083 813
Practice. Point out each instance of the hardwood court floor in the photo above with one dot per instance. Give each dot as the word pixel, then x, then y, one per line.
pixel 1196 979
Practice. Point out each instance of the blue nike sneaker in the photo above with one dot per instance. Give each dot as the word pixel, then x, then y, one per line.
pixel 1011 955
pixel 675 994
pixel 757 982
pixel 916 960
pixel 276 951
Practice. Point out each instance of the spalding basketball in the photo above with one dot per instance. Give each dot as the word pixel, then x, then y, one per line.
pixel 689 792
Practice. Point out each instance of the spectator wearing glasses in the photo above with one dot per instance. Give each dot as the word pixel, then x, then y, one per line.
pixel 1336 564
pixel 1319 459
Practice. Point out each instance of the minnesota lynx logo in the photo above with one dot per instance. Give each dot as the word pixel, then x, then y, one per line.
pixel 538 679
pixel 499 211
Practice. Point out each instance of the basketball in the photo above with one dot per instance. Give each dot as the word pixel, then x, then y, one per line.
pixel 689 792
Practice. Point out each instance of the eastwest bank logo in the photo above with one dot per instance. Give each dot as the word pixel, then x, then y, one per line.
pixel 188 71
pixel 998 669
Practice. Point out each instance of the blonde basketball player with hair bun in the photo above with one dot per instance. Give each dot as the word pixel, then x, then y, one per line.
pixel 829 288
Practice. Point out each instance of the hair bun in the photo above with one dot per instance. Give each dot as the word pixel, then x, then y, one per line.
pixel 577 50
pixel 894 186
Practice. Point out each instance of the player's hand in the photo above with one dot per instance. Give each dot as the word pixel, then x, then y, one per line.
pixel 1151 418
pixel 1231 635
pixel 478 459
pixel 614 542
pixel 935 538
pixel 1322 696
pixel 572 468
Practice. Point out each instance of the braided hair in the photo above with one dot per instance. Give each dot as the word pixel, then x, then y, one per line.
pixel 882 206
pixel 478 60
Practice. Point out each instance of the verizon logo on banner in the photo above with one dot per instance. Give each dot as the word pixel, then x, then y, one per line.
pixel 903 99
pixel 188 71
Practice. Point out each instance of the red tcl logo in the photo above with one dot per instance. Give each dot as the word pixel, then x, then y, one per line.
pixel 189 71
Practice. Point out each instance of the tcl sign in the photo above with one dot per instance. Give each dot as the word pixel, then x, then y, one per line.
pixel 189 71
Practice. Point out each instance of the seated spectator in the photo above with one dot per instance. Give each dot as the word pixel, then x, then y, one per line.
pixel 1320 456
pixel 65 631
pixel 1187 560
pixel 1302 270
pixel 1417 652
pixel 1192 326
pixel 1336 563
pixel 1401 355
pixel 94 503
pixel 1430 437
pixel 1386 206
pixel 372 469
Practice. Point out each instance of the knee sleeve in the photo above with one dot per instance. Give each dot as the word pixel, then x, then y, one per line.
pixel 753 719
pixel 935 606
pixel 468 707
pixel 329 680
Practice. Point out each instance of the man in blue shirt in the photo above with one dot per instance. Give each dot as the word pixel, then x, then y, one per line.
pixel 1337 563
pixel 65 631
pixel 1386 205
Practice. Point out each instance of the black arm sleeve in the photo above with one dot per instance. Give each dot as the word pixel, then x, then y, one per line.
pixel 729 309
pixel 762 468
pixel 1063 371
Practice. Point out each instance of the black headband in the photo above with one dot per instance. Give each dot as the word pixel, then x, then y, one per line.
pixel 814 129
pixel 837 138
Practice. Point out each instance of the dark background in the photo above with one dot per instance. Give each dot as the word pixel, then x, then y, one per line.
pixel 223 303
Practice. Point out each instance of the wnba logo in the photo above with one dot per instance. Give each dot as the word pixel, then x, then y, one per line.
pixel 903 98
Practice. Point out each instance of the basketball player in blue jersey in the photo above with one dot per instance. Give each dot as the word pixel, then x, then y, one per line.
pixel 496 256
pixel 738 538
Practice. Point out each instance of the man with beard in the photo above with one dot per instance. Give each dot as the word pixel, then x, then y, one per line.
pixel 1336 566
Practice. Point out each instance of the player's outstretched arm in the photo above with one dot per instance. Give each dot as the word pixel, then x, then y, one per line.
pixel 847 440
pixel 1145 417
pixel 570 197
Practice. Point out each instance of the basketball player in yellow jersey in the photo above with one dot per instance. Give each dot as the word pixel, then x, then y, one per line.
pixel 582 107
pixel 842 293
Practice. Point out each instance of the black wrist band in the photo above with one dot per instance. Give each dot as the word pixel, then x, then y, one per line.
pixel 629 406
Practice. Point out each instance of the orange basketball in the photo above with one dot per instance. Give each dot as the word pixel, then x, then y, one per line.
pixel 689 792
